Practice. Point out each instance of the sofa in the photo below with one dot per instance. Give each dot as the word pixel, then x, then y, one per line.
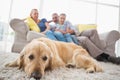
pixel 23 36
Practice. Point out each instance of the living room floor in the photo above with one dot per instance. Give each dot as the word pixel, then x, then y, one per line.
pixel 111 72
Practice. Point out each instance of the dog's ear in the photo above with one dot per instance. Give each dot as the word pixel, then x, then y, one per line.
pixel 21 59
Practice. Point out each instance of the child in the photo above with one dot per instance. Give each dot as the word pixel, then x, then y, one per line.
pixel 63 29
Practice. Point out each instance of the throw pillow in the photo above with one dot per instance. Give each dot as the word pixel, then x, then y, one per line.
pixel 83 27
pixel 32 25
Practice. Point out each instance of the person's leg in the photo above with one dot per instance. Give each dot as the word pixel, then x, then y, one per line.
pixel 108 58
pixel 94 37
pixel 50 35
pixel 115 60
pixel 95 52
pixel 74 39
pixel 68 37
pixel 86 43
pixel 59 36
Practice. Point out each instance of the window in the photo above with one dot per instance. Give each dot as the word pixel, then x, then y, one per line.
pixel 107 18
pixel 76 11
pixel 111 2
pixel 56 6
pixel 4 17
pixel 13 9
pixel 21 8
pixel 82 13
pixel 4 10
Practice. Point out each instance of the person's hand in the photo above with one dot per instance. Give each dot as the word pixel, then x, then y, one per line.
pixel 44 32
pixel 64 32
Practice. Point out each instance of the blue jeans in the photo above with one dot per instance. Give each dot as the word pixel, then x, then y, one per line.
pixel 75 39
pixel 63 37
pixel 68 37
pixel 59 36
pixel 50 35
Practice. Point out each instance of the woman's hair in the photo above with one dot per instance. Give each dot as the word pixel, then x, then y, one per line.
pixel 33 11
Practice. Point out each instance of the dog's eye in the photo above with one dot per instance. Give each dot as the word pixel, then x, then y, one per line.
pixel 31 57
pixel 44 58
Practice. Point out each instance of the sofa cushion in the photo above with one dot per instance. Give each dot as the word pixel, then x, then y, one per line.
pixel 83 27
pixel 33 35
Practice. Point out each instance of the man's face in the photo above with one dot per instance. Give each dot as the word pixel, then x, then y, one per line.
pixel 55 18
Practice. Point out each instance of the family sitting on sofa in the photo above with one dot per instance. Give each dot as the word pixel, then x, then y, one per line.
pixel 63 30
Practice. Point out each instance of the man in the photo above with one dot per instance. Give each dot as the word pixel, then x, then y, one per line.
pixel 90 41
pixel 54 21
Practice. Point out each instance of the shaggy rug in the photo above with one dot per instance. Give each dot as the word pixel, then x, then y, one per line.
pixel 111 72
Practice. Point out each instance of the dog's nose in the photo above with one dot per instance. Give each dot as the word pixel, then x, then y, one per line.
pixel 36 75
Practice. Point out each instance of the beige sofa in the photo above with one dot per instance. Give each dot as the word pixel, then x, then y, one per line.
pixel 23 36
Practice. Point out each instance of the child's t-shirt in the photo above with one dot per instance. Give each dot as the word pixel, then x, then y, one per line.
pixel 61 27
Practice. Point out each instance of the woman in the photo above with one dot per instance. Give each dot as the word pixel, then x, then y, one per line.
pixel 38 25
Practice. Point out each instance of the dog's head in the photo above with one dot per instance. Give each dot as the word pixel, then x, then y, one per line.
pixel 35 58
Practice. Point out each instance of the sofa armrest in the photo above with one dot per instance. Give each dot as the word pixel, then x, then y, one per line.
pixel 19 26
pixel 111 36
pixel 33 35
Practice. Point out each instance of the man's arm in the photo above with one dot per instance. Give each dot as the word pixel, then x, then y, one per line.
pixel 50 21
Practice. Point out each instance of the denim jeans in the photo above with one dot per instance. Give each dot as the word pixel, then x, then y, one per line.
pixel 59 36
pixel 63 37
pixel 68 37
pixel 74 39
pixel 50 35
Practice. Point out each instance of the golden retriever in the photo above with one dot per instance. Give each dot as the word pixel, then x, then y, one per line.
pixel 43 53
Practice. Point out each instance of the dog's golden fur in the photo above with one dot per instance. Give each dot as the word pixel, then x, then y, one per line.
pixel 43 53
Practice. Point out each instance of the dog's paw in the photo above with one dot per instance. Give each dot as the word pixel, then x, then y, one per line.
pixel 11 65
pixel 90 70
pixel 32 79
pixel 7 65
pixel 70 65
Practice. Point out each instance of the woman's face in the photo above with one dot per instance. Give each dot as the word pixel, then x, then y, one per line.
pixel 34 14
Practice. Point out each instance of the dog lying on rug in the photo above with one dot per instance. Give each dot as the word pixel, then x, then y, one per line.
pixel 43 53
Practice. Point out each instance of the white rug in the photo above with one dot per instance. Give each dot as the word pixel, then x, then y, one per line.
pixel 111 72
